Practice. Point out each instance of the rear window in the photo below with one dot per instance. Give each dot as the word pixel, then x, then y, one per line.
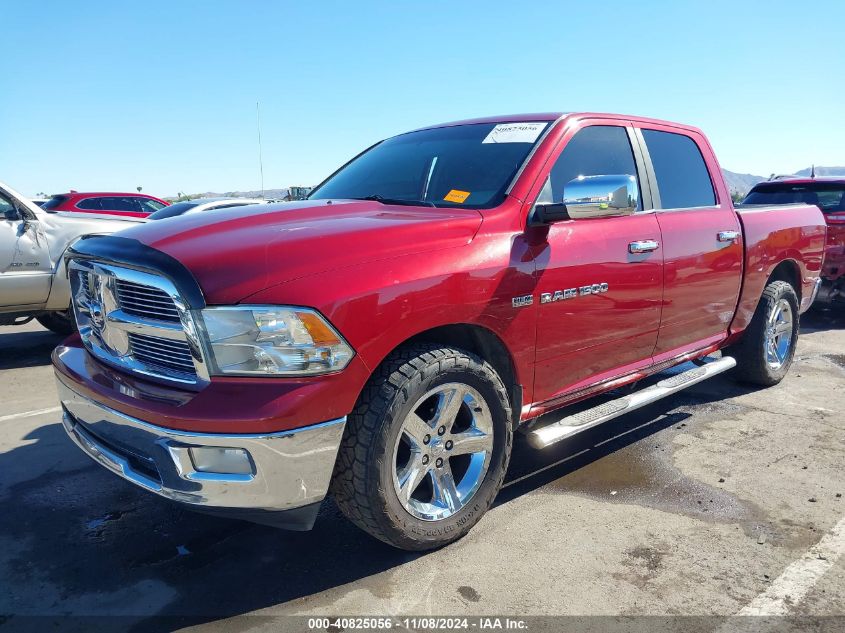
pixel 89 204
pixel 828 196
pixel 173 210
pixel 53 202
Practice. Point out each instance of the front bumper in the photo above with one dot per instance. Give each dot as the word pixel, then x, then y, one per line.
pixel 286 475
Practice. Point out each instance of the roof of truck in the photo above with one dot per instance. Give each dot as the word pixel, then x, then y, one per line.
pixel 554 116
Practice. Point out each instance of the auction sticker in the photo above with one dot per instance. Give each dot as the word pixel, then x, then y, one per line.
pixel 514 133
pixel 456 195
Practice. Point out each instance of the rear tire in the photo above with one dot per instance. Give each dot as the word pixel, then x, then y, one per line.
pixel 425 450
pixel 765 352
pixel 58 322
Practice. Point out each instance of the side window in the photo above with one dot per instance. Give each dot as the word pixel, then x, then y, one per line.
pixel 6 207
pixel 599 150
pixel 121 204
pixel 149 206
pixel 89 204
pixel 682 176
pixel 108 204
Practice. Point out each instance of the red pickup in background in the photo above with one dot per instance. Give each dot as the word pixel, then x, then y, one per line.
pixel 829 195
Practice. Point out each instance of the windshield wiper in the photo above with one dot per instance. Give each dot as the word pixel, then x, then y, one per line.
pixel 412 203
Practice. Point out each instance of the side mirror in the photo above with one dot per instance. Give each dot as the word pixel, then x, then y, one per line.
pixel 549 213
pixel 11 214
pixel 601 196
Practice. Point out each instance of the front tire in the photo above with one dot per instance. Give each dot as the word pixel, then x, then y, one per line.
pixel 58 322
pixel 425 451
pixel 767 348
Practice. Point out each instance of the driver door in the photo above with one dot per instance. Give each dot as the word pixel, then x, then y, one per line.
pixel 600 289
pixel 25 268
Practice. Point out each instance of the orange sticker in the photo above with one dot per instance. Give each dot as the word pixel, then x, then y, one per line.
pixel 456 195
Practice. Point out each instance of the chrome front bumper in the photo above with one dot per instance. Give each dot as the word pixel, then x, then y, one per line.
pixel 285 471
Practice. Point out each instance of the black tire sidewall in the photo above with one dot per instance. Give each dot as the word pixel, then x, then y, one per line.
pixel 751 354
pixel 58 322
pixel 416 533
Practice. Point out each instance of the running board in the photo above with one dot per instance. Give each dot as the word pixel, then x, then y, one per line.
pixel 572 424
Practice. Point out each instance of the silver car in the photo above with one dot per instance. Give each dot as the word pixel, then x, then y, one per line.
pixel 202 204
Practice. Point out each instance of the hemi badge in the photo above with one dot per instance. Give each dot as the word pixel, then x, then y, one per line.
pixel 521 302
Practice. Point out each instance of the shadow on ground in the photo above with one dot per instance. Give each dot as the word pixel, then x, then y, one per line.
pixel 75 539
pixel 819 319
pixel 26 348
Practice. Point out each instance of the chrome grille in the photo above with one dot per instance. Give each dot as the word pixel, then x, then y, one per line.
pixel 136 321
pixel 161 352
pixel 145 301
pixel 84 281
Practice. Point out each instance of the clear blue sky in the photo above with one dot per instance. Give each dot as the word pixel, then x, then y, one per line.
pixel 112 95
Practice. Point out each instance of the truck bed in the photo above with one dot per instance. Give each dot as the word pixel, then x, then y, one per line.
pixel 774 233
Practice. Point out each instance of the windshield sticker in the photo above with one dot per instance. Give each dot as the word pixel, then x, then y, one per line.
pixel 456 195
pixel 514 133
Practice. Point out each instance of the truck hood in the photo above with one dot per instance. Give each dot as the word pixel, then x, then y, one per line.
pixel 234 253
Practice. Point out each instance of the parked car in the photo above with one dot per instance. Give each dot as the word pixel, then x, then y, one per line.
pixel 829 195
pixel 137 205
pixel 39 202
pixel 198 205
pixel 385 338
pixel 33 278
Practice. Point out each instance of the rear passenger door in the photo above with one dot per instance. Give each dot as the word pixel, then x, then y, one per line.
pixel 701 239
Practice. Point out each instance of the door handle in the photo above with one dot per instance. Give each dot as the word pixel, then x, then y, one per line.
pixel 727 236
pixel 643 246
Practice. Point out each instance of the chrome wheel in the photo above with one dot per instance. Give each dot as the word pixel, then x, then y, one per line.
pixel 443 450
pixel 779 334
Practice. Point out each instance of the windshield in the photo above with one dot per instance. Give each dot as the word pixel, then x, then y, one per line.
pixel 460 166
pixel 828 196
pixel 173 210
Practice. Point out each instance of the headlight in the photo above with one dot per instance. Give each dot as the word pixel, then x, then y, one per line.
pixel 273 340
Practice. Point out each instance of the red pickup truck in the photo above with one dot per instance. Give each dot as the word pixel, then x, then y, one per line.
pixel 384 339
pixel 829 195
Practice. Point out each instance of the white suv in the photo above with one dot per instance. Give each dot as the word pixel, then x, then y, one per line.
pixel 33 280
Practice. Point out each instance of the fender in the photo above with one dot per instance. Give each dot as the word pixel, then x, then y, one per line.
pixel 768 245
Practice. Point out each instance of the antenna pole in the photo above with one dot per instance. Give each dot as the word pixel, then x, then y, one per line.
pixel 260 158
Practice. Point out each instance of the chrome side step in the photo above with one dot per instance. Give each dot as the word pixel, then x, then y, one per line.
pixel 572 424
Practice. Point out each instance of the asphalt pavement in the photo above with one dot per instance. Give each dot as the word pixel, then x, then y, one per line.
pixel 720 500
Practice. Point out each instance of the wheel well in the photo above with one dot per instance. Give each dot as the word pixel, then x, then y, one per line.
pixel 483 343
pixel 788 271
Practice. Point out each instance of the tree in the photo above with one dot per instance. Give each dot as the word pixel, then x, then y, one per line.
pixel 139 189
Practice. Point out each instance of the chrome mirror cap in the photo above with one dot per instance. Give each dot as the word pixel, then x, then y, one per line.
pixel 601 196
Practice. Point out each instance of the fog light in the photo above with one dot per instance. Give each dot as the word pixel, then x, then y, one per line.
pixel 231 461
